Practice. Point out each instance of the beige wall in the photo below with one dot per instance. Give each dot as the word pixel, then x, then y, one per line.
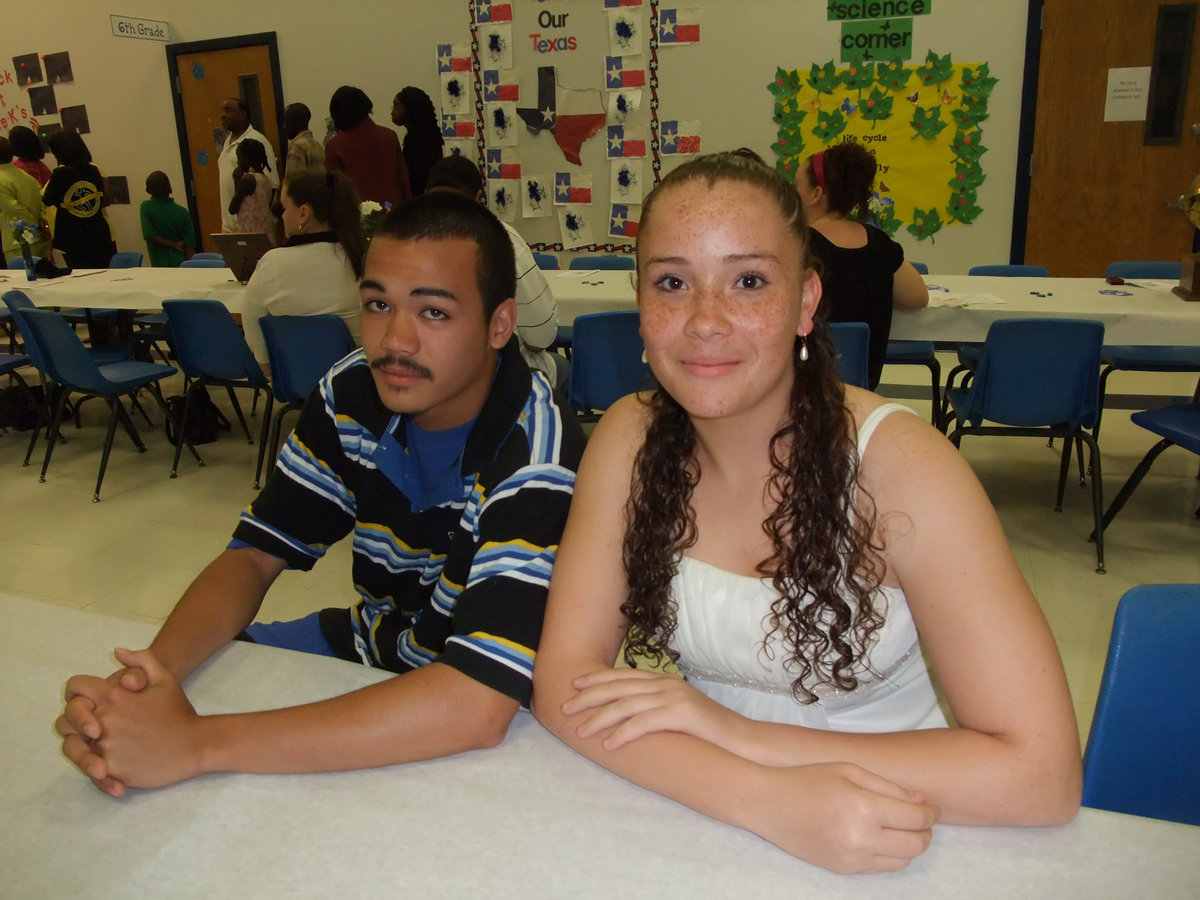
pixel 382 45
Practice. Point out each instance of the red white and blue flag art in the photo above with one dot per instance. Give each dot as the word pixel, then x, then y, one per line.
pixel 572 116
pixel 487 11
pixel 502 164
pixel 623 220
pixel 458 126
pixel 679 26
pixel 678 137
pixel 624 141
pixel 572 187
pixel 624 72
pixel 454 57
pixel 501 85
pixel 617 4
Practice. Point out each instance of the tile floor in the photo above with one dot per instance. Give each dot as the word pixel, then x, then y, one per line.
pixel 133 553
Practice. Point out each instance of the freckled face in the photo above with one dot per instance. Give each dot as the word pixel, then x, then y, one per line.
pixel 432 351
pixel 722 296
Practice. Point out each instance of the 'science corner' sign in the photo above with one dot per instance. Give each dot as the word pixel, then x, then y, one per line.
pixel 145 29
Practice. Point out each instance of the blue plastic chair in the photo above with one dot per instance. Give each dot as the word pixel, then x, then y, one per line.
pixel 206 255
pixel 1038 377
pixel 196 263
pixel 212 350
pixel 1146 357
pixel 851 344
pixel 1143 752
pixel 18 262
pixel 18 299
pixel 546 261
pixel 1143 268
pixel 606 261
pixel 606 361
pixel 301 349
pixel 920 267
pixel 128 259
pixel 58 353
pixel 1177 425
pixel 969 351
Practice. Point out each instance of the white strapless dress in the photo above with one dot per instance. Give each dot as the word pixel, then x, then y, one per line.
pixel 722 618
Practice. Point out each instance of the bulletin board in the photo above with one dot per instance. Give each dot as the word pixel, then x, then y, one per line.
pixel 559 104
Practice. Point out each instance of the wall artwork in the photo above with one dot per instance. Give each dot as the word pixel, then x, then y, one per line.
pixel 921 122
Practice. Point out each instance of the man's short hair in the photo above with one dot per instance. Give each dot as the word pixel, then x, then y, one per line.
pixel 6 153
pixel 444 215
pixel 457 173
pixel 297 114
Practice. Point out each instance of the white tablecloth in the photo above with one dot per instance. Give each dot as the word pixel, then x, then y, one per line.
pixel 529 819
pixel 962 306
pixel 144 288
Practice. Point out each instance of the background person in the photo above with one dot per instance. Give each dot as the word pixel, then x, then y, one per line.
pixel 413 111
pixel 863 272
pixel 305 153
pixel 252 200
pixel 20 199
pixel 369 154
pixel 235 118
pixel 29 153
pixel 166 226
pixel 76 187
pixel 786 539
pixel 537 311
pixel 317 270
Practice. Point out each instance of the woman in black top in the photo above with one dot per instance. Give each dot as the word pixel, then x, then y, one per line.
pixel 413 111
pixel 863 272
pixel 76 187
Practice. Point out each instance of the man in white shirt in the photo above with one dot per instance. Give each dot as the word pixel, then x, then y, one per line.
pixel 235 117
pixel 537 311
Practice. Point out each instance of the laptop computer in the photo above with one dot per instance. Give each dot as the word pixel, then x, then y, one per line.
pixel 242 251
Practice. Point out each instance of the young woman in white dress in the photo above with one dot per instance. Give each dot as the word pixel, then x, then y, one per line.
pixel 785 538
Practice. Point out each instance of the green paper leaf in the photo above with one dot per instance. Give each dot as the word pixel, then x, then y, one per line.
pixel 927 123
pixel 976 82
pixel 823 79
pixel 967 176
pixel 876 107
pixel 859 75
pixel 936 70
pixel 926 223
pixel 966 145
pixel 829 126
pixel 886 219
pixel 894 76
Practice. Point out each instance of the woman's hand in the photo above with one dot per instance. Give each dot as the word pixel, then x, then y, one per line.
pixel 840 816
pixel 629 703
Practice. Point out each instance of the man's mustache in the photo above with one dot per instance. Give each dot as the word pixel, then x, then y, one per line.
pixel 402 362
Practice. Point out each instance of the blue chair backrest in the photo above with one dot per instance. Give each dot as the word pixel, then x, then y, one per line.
pixel 56 349
pixel 851 342
pixel 1037 372
pixel 15 300
pixel 546 260
pixel 606 359
pixel 606 261
pixel 1144 269
pixel 195 263
pixel 129 259
pixel 209 342
pixel 1143 753
pixel 206 255
pixel 1013 271
pixel 301 350
pixel 920 267
pixel 18 262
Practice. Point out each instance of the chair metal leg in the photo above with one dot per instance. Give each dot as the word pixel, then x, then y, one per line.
pixel 237 408
pixel 117 412
pixel 167 417
pixel 1130 485
pixel 182 426
pixel 1062 473
pixel 263 439
pixel 54 427
pixel 1097 497
pixel 935 389
pixel 1104 373
pixel 127 424
pixel 1079 456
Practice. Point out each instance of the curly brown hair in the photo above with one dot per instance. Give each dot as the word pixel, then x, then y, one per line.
pixel 824 564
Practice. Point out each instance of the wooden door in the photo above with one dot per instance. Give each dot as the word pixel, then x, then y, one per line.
pixel 1097 193
pixel 205 74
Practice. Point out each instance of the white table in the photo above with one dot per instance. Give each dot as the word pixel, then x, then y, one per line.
pixel 529 819
pixel 142 288
pixel 962 307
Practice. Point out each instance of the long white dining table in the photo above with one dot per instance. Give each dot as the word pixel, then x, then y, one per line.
pixel 143 288
pixel 528 819
pixel 961 307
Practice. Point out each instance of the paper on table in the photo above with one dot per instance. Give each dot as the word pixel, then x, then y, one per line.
pixel 1153 284
pixel 943 298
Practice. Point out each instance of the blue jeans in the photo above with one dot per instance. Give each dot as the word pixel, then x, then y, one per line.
pixel 300 634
